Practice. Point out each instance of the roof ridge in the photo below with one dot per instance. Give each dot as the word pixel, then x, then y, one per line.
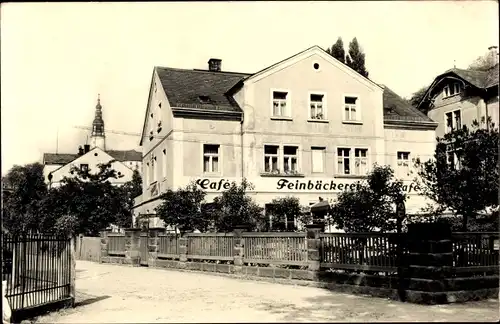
pixel 201 70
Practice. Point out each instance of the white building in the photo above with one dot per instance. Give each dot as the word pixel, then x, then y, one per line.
pixel 58 165
pixel 308 126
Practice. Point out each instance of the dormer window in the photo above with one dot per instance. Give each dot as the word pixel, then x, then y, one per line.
pixel 205 99
pixel 452 89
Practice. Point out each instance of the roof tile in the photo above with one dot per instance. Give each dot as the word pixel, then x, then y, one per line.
pixel 65 158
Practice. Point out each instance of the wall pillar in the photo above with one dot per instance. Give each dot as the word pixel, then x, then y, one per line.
pixel 183 242
pixel 239 247
pixel 153 244
pixel 104 245
pixel 314 245
pixel 132 255
pixel 428 263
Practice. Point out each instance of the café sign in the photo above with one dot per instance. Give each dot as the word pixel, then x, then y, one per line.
pixel 295 185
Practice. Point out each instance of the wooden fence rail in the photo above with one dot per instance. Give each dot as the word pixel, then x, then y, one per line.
pixel 168 246
pixel 210 246
pixel 275 248
pixel 359 251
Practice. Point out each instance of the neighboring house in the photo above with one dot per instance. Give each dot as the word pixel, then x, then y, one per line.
pixel 90 159
pixel 57 162
pixel 308 126
pixel 458 97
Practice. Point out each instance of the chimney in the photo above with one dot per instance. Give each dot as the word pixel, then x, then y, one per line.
pixel 214 65
pixel 80 150
pixel 86 148
pixel 493 52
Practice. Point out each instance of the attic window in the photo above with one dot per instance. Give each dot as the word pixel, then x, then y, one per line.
pixel 205 99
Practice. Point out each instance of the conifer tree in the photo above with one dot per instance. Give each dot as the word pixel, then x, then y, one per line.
pixel 356 58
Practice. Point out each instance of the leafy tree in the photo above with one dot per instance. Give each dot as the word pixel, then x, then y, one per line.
pixel 483 63
pixel 463 176
pixel 131 189
pixel 21 202
pixel 182 209
pixel 416 97
pixel 284 210
pixel 337 50
pixel 85 203
pixel 234 207
pixel 372 205
pixel 356 58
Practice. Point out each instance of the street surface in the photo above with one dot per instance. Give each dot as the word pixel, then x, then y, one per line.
pixel 120 294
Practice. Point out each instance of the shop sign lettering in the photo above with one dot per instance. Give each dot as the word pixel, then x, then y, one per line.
pixel 297 185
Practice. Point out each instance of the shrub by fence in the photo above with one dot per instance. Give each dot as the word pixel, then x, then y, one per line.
pixel 414 265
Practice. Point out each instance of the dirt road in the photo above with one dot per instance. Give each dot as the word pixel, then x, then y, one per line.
pixel 119 294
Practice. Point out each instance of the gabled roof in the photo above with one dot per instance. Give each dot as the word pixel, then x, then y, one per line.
pixel 479 79
pixel 186 88
pixel 58 158
pixel 396 108
pixel 65 158
pixel 199 89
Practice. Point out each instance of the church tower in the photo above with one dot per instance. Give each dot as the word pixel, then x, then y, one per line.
pixel 98 139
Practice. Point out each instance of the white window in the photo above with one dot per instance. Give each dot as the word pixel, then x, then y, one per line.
pixel 360 161
pixel 271 155
pixel 211 158
pixel 318 159
pixel 403 163
pixel 280 104
pixel 351 108
pixel 453 120
pixel 316 104
pixel 343 161
pixel 452 89
pixel 290 159
pixel 164 163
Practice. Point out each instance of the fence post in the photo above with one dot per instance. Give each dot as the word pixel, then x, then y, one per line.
pixel 104 245
pixel 132 255
pixel 153 243
pixel 314 245
pixel 72 275
pixel 239 247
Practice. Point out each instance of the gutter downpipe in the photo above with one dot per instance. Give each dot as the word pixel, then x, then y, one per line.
pixel 241 141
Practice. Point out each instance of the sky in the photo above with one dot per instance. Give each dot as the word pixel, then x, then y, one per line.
pixel 56 57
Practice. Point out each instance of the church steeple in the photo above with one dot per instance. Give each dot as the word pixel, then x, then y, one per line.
pixel 98 137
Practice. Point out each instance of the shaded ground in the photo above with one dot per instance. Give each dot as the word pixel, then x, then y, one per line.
pixel 119 294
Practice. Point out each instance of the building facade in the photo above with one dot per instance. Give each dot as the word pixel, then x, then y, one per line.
pixel 58 165
pixel 308 126
pixel 458 97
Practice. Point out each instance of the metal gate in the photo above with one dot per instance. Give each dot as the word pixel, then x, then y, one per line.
pixel 37 269
pixel 143 248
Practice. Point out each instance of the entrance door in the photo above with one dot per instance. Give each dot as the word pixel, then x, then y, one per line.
pixel 143 248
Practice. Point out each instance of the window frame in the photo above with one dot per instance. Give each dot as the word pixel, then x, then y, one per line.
pixel 324 106
pixel 164 163
pixel 354 159
pixel 454 114
pixel 343 160
pixel 84 164
pixel 284 156
pixel 277 155
pixel 400 163
pixel 288 102
pixel 452 89
pixel 359 116
pixel 323 154
pixel 219 156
